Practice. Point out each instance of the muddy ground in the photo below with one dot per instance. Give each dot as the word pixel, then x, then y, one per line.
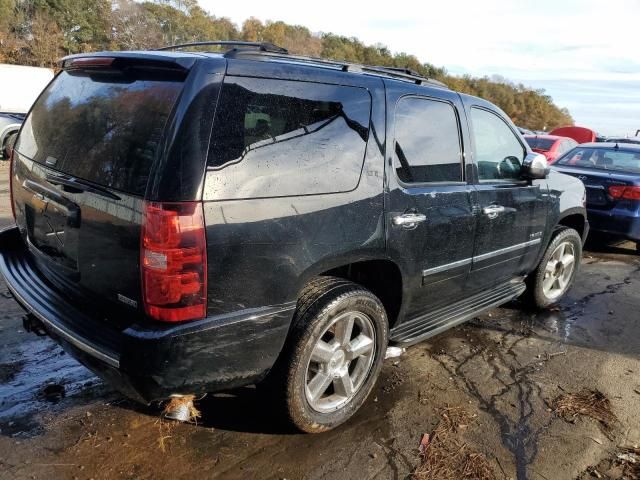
pixel 58 421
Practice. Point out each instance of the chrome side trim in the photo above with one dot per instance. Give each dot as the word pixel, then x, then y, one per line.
pixel 64 334
pixel 447 266
pixel 479 258
pixel 512 248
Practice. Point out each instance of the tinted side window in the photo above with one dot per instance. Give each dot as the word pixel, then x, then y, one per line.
pixel 499 153
pixel 428 146
pixel 275 138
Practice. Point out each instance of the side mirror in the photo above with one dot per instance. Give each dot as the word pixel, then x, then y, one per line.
pixel 535 166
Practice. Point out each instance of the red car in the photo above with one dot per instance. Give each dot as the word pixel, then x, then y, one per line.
pixel 551 146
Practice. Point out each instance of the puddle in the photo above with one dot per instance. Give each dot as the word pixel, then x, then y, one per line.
pixel 37 375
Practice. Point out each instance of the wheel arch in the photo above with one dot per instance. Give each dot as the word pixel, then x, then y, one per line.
pixel 379 274
pixel 576 219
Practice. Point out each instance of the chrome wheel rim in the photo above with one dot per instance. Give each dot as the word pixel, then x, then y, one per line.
pixel 559 270
pixel 340 362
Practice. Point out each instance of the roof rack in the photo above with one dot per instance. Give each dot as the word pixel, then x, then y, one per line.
pixel 260 46
pixel 274 51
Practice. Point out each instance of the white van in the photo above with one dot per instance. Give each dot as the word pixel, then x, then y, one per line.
pixel 19 88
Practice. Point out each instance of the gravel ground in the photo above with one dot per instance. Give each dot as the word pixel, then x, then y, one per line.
pixel 504 369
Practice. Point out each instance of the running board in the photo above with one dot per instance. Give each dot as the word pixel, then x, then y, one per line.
pixel 433 323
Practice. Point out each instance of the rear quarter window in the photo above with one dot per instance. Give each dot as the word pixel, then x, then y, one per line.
pixel 275 138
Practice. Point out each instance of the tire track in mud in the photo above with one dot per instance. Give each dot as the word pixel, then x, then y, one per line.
pixel 518 435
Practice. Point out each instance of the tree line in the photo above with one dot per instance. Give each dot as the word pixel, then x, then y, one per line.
pixel 39 32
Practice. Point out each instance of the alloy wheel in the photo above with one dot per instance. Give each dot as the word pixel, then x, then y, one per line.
pixel 340 361
pixel 559 270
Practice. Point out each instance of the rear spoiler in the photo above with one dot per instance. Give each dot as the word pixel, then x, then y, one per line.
pixel 122 60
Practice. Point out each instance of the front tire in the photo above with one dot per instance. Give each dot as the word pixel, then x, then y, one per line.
pixel 557 270
pixel 333 356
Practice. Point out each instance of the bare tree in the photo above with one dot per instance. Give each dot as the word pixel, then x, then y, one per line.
pixel 132 28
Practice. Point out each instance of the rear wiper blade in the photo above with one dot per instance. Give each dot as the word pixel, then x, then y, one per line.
pixel 80 186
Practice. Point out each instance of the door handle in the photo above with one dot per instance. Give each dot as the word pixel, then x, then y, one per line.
pixel 492 211
pixel 409 220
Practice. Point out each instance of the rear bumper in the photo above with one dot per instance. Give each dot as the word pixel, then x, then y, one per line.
pixel 151 361
pixel 624 223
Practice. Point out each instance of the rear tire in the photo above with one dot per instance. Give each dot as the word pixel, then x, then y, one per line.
pixel 333 356
pixel 557 269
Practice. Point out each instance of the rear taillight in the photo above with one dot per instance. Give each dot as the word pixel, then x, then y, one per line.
pixel 625 192
pixel 174 261
pixel 11 173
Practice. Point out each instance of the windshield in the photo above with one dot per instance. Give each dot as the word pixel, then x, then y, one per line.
pixel 540 143
pixel 604 159
pixel 105 129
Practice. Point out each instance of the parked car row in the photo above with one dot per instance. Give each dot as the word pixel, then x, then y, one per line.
pixel 610 170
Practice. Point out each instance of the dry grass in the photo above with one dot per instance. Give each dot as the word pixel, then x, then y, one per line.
pixel 446 457
pixel 164 429
pixel 586 403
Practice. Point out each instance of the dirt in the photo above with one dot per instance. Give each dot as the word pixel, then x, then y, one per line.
pixel 504 368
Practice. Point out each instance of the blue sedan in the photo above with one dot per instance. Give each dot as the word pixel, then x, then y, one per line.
pixel 611 173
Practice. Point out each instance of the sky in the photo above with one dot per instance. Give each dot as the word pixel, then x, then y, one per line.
pixel 584 53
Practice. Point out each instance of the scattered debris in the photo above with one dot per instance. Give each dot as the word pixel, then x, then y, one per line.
pixel 587 403
pixel 625 464
pixel 396 379
pixel 394 352
pixel 445 457
pixel 631 461
pixel 53 392
pixel 424 443
pixel 597 440
pixel 181 408
pixel 549 356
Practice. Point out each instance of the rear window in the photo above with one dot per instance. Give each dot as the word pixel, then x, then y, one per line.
pixel 540 143
pixel 603 159
pixel 99 128
pixel 276 138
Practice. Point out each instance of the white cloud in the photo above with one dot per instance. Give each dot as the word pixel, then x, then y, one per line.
pixel 541 43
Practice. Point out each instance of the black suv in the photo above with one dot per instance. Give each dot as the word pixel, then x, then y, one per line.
pixel 194 222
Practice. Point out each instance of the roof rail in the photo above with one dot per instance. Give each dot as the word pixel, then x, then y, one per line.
pixel 393 72
pixel 260 46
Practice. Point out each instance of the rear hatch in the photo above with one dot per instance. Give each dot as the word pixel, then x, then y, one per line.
pixel 82 163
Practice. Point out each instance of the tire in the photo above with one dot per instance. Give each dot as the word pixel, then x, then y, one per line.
pixel 8 145
pixel 326 307
pixel 551 280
